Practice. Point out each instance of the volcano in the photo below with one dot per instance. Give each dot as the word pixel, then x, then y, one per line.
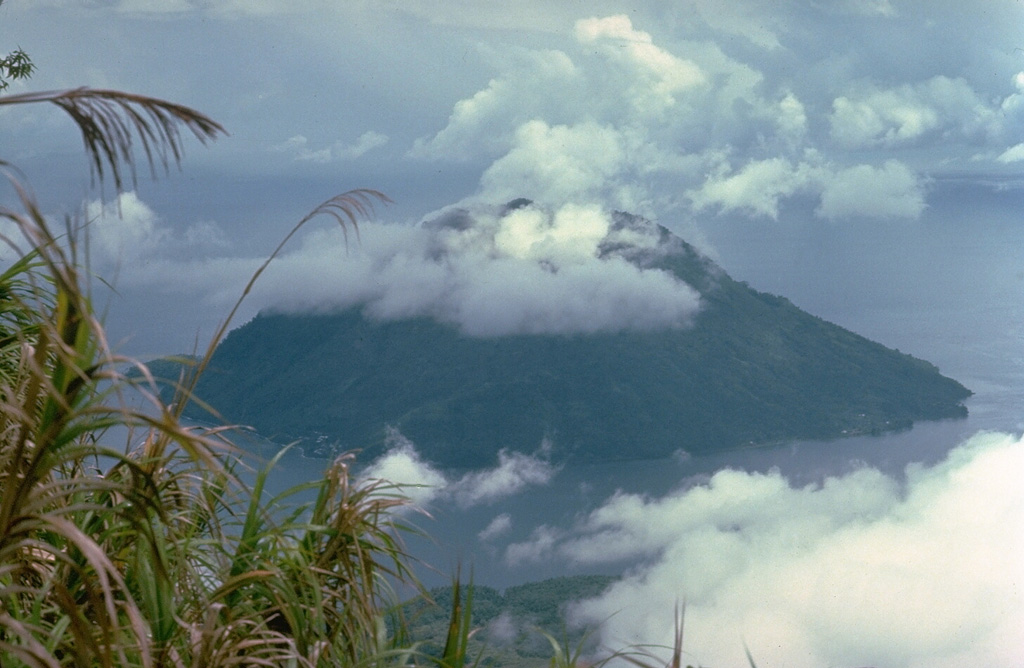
pixel 746 368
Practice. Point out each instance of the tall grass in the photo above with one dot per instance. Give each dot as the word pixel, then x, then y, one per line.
pixel 129 537
pixel 151 551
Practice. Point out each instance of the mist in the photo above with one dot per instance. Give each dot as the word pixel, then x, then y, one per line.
pixel 490 271
pixel 402 468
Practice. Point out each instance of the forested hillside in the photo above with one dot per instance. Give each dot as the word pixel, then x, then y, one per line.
pixel 752 369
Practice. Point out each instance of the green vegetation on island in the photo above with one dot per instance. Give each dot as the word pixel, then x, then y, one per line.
pixel 753 369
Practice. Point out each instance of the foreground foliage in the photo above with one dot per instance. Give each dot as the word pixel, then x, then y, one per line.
pixel 153 552
pixel 128 537
pixel 131 537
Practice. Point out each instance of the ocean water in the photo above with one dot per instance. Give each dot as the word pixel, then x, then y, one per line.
pixel 948 288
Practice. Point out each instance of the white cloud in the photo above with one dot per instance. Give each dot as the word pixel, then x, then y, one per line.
pixel 604 121
pixel 622 118
pixel 422 483
pixel 539 547
pixel 122 230
pixel 1012 154
pixel 862 569
pixel 656 75
pixel 497 527
pixel 205 234
pixel 528 271
pixel 127 234
pixel 564 164
pixel 889 191
pixel 907 114
pixel 542 83
pixel 298 147
pixel 757 187
pixel 514 472
pixel 1008 118
pixel 402 466
pixel 792 119
pixel 366 142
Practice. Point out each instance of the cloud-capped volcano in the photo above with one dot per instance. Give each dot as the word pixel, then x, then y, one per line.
pixel 477 334
pixel 515 269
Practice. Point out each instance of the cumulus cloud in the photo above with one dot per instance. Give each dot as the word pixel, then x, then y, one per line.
pixel 621 119
pixel 890 117
pixel 792 120
pixel 657 76
pixel 366 142
pixel 124 229
pixel 862 569
pixel 756 187
pixel 555 165
pixel 486 121
pixel 423 483
pixel 603 123
pixel 540 546
pixel 889 191
pixel 127 231
pixel 892 190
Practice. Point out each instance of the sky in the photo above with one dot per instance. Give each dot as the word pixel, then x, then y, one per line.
pixel 836 114
pixel 762 132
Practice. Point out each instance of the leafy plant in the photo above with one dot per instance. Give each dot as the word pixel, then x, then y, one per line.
pixel 15 65
pixel 128 537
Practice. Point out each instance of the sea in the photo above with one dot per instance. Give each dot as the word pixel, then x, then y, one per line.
pixel 947 288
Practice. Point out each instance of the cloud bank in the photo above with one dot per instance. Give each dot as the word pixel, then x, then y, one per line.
pixel 489 271
pixel 423 484
pixel 623 121
pixel 859 570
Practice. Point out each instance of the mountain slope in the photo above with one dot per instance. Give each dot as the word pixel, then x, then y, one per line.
pixel 753 368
